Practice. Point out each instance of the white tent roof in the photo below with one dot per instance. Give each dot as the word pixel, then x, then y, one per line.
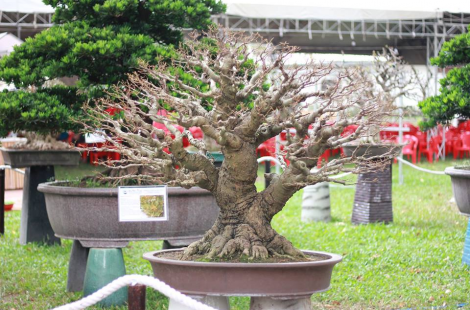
pixel 25 6
pixel 305 9
pixel 345 9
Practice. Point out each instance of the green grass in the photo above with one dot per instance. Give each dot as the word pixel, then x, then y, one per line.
pixel 414 262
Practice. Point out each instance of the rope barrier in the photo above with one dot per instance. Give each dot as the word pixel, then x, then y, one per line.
pixel 3 167
pixel 131 280
pixel 418 168
pixel 269 158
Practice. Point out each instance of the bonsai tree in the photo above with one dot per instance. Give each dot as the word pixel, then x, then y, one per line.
pixel 95 43
pixel 388 78
pixel 454 98
pixel 237 89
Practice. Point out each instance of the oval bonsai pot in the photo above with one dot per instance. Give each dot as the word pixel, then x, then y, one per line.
pixel 278 280
pixel 461 186
pixel 372 150
pixel 18 158
pixel 90 215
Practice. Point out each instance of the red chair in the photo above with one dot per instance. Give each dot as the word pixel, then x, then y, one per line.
pixel 411 148
pixel 84 153
pixel 95 156
pixel 323 158
pixel 197 133
pixel 413 130
pixel 463 145
pixel 429 151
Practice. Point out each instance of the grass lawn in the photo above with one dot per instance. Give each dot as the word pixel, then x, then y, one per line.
pixel 413 263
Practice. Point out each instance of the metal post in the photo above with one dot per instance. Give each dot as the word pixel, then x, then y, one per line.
pixel 278 150
pixel 400 141
pixel 136 297
pixel 2 201
pixel 267 169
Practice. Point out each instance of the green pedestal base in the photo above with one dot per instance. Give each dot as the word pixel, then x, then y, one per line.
pixel 104 266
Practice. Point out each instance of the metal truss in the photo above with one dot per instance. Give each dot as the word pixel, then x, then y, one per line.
pixel 448 26
pixel 17 21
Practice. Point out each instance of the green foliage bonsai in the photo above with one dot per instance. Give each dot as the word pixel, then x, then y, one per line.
pixel 454 99
pixel 95 42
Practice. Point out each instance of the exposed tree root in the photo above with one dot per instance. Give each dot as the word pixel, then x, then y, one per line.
pixel 240 240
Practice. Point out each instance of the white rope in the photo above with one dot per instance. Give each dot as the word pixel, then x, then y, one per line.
pixel 339 176
pixel 130 280
pixel 269 158
pixel 3 167
pixel 418 168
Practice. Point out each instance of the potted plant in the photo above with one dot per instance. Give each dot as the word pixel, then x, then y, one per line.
pixel 453 102
pixel 8 205
pixel 73 62
pixel 237 89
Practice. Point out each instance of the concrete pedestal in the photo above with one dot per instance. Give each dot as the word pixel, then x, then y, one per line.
pixel 267 303
pixel 373 198
pixel 103 267
pixel 77 267
pixel 35 225
pixel 217 302
pixel 316 203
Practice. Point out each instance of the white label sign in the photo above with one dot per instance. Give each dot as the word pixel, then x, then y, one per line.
pixel 143 203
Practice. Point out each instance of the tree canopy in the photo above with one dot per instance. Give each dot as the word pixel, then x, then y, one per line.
pixel 99 42
pixel 454 99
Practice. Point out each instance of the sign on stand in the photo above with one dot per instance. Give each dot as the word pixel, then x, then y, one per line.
pixel 143 203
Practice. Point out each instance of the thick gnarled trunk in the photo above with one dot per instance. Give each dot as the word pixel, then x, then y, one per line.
pixel 244 223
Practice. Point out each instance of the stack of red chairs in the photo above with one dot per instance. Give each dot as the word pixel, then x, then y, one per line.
pixel 463 145
pixel 411 148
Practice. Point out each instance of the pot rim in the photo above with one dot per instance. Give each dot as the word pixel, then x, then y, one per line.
pixel 455 172
pixel 381 145
pixel 332 260
pixel 37 151
pixel 55 188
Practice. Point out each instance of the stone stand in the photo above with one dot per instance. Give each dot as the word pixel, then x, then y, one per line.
pixel 466 247
pixel 373 198
pixel 104 266
pixel 267 303
pixel 257 303
pixel 217 302
pixel 35 225
pixel 77 267
pixel 316 203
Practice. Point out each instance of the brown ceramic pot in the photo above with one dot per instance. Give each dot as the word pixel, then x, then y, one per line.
pixel 278 280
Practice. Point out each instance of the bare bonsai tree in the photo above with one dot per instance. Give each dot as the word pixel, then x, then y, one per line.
pixel 387 79
pixel 237 90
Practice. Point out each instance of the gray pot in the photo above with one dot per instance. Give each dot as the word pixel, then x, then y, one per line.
pixel 18 158
pixel 90 215
pixel 372 150
pixel 461 186
pixel 279 280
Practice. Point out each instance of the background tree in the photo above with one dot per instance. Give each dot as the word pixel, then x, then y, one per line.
pixel 454 98
pixel 235 106
pixel 96 42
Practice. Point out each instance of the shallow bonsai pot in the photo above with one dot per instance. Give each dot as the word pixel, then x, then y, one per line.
pixel 372 150
pixel 18 158
pixel 461 186
pixel 91 215
pixel 278 280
